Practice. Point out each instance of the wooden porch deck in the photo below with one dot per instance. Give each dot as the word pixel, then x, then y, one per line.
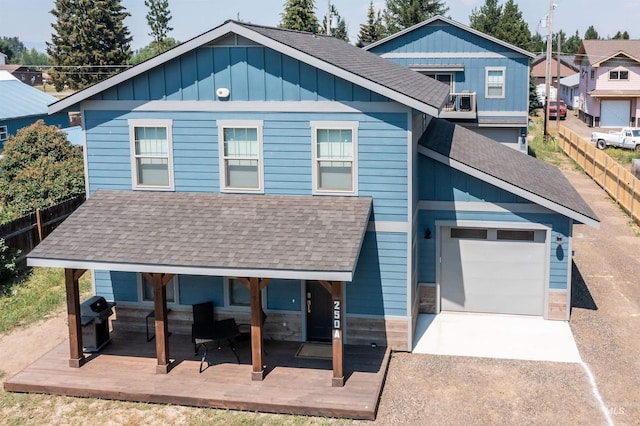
pixel 126 370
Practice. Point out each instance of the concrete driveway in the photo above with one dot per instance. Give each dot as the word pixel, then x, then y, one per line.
pixel 605 321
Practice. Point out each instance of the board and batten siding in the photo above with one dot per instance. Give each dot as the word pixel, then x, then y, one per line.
pixel 253 73
pixel 287 147
pixel 448 40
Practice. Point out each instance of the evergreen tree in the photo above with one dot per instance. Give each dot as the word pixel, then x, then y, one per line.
pixel 151 50
pixel 33 57
pixel 340 31
pixel 512 28
pixel 401 14
pixel 89 43
pixel 5 47
pixel 299 15
pixel 621 36
pixel 534 102
pixel 158 19
pixel 591 34
pixel 572 45
pixel 487 18
pixel 537 44
pixel 373 30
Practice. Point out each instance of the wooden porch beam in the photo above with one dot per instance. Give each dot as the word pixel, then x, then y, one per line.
pixel 257 362
pixel 337 334
pixel 162 330
pixel 76 354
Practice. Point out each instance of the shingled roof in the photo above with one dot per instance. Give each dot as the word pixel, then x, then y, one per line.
pixel 297 237
pixel 505 168
pixel 597 51
pixel 324 52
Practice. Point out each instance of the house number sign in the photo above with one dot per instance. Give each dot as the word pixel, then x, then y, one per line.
pixel 337 319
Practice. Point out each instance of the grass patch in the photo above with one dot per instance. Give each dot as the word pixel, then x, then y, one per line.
pixel 37 294
pixel 622 156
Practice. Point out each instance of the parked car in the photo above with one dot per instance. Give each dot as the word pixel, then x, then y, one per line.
pixel 628 137
pixel 553 110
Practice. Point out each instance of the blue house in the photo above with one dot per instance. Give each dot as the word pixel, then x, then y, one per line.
pixel 22 105
pixel 269 169
pixel 488 79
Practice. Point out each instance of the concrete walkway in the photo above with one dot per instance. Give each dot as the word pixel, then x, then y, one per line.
pixel 495 336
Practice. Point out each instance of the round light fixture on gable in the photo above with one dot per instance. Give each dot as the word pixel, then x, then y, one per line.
pixel 222 92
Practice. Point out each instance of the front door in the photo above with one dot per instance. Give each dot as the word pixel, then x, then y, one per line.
pixel 318 306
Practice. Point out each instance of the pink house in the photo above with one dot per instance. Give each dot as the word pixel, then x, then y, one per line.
pixel 609 89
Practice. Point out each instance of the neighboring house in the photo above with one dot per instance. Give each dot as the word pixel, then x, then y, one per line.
pixel 3 58
pixel 262 167
pixel 539 68
pixel 570 90
pixel 25 74
pixel 22 105
pixel 488 79
pixel 609 82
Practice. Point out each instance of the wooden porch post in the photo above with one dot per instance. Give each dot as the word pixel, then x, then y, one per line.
pixel 76 354
pixel 162 330
pixel 337 334
pixel 257 363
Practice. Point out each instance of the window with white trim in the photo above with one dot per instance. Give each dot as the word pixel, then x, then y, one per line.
pixel 335 157
pixel 495 82
pixel 151 154
pixel 237 294
pixel 146 289
pixel 619 75
pixel 3 133
pixel 241 168
pixel 446 78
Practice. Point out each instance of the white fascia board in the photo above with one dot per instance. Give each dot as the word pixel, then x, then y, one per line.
pixel 334 70
pixel 449 55
pixel 192 270
pixel 509 187
pixel 243 106
pixel 455 24
pixel 139 69
pixel 518 114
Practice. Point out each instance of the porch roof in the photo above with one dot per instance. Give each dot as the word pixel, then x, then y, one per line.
pixel 264 236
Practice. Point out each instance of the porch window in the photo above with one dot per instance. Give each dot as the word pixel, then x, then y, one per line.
pixel 618 75
pixel 241 155
pixel 446 78
pixel 237 293
pixel 3 133
pixel 146 290
pixel 495 82
pixel 334 157
pixel 151 159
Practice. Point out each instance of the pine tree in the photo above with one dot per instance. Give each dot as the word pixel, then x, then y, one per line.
pixel 537 44
pixel 621 36
pixel 487 18
pixel 299 15
pixel 340 31
pixel 373 30
pixel 512 28
pixel 572 45
pixel 90 42
pixel 591 34
pixel 158 19
pixel 401 14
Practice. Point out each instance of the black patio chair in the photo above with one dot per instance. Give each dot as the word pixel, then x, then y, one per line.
pixel 205 329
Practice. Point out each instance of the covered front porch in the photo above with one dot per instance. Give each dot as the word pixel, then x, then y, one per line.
pixel 125 370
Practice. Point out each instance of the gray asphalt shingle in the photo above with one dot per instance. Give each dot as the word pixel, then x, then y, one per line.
pixel 207 230
pixel 504 163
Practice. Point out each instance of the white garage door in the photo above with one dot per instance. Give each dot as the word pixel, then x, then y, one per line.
pixel 615 113
pixel 493 270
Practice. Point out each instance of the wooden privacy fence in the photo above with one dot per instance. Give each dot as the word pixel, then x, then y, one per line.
pixel 27 231
pixel 621 185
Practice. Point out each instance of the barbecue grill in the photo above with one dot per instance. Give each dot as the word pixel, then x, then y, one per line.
pixel 94 314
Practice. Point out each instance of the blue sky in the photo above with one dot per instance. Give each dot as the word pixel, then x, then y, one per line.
pixel 30 20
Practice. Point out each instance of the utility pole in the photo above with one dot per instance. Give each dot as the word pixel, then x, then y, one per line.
pixel 558 84
pixel 548 74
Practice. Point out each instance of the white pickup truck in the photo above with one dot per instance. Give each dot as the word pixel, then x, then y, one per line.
pixel 628 137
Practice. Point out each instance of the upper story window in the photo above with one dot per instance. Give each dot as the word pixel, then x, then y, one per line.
pixel 593 74
pixel 146 289
pixel 446 78
pixel 495 82
pixel 334 157
pixel 3 133
pixel 151 154
pixel 241 165
pixel 618 75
